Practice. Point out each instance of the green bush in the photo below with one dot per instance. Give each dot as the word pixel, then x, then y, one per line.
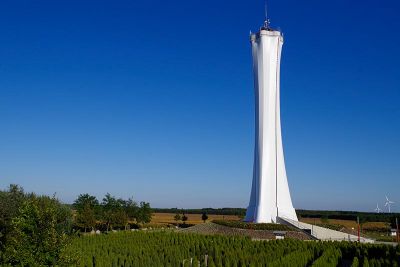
pixel 39 233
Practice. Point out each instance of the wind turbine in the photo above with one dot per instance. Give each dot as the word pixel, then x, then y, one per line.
pixel 378 210
pixel 388 203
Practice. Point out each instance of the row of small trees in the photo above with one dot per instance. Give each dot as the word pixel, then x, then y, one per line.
pixel 111 212
pixel 182 217
pixel 167 248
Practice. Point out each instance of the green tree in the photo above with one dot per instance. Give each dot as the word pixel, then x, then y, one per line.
pixel 131 210
pixel 177 217
pixel 145 213
pixel 366 262
pixel 85 200
pixel 204 217
pixel 109 205
pixel 184 218
pixel 86 218
pixel 355 262
pixel 39 233
pixel 114 213
pixel 86 206
pixel 10 202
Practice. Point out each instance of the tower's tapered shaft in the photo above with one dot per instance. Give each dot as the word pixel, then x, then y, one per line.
pixel 270 196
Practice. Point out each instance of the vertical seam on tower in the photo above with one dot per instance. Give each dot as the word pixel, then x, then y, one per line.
pixel 276 138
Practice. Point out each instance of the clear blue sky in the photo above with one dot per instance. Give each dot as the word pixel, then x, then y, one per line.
pixel 154 99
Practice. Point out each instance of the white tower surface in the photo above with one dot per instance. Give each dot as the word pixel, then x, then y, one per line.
pixel 270 196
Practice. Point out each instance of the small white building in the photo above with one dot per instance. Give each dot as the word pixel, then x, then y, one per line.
pixel 280 234
pixel 393 232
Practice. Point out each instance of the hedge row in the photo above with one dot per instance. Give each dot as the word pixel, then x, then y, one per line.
pixel 142 248
pixel 255 226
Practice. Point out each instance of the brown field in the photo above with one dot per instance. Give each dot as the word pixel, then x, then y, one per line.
pixel 165 218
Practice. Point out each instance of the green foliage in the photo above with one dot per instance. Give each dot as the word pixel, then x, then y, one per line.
pixel 184 218
pixel 85 200
pixel 145 213
pixel 112 213
pixel 366 262
pixel 204 217
pixel 254 226
pixel 177 217
pixel 330 257
pixel 86 218
pixel 355 262
pixel 165 248
pixel 131 208
pixel 38 233
pixel 87 208
pixel 336 227
pixel 10 202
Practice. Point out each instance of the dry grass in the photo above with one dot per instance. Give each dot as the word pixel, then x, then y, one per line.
pixel 373 225
pixel 163 218
pixel 347 223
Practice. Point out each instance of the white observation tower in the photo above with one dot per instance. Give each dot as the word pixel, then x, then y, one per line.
pixel 270 196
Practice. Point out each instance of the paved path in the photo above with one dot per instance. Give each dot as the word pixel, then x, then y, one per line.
pixel 324 234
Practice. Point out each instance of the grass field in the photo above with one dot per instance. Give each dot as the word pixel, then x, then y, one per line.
pixel 346 223
pixel 165 218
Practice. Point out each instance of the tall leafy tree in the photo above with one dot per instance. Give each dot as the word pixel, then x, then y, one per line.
pixel 145 213
pixel 109 205
pixel 10 202
pixel 120 217
pixel 86 218
pixel 131 210
pixel 39 233
pixel 114 212
pixel 87 208
pixel 184 218
pixel 177 217
pixel 85 200
pixel 204 217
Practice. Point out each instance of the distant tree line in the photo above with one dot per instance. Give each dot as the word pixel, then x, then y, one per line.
pixel 109 214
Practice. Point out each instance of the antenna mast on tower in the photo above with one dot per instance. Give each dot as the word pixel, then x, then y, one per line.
pixel 266 21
